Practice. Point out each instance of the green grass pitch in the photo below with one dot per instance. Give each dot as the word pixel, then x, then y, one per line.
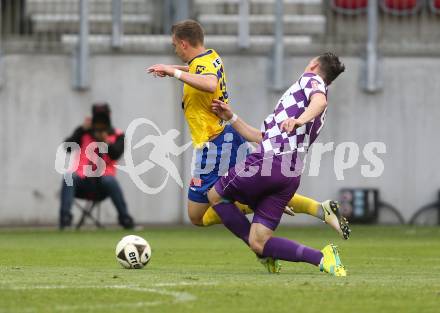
pixel 391 269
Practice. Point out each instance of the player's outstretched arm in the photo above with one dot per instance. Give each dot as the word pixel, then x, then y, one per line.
pixel 318 104
pixel 183 68
pixel 156 69
pixel 224 111
pixel 206 83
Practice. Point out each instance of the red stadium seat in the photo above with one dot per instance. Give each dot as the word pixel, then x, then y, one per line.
pixel 349 6
pixel 435 6
pixel 400 4
pixel 401 7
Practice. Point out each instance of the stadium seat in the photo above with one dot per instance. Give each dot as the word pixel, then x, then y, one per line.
pixel 159 43
pixel 435 6
pixel 349 6
pixel 401 7
pixel 61 16
pixel 98 23
pixel 263 24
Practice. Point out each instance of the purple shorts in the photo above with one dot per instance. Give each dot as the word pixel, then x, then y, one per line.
pixel 261 182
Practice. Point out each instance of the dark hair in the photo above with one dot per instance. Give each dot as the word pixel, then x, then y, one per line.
pixel 189 30
pixel 101 113
pixel 330 66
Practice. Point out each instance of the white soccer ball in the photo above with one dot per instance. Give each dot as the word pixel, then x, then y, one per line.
pixel 133 252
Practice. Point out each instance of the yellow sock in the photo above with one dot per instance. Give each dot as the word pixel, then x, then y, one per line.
pixel 211 218
pixel 244 208
pixel 301 204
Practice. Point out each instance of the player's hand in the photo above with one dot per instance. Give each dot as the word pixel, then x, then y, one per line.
pixel 221 109
pixel 161 70
pixel 290 124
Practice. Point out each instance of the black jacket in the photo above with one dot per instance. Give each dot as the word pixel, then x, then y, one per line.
pixel 115 150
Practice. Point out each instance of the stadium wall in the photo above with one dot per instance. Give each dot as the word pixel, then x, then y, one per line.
pixel 39 109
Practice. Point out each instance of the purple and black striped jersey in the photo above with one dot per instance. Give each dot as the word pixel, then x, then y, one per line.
pixel 291 105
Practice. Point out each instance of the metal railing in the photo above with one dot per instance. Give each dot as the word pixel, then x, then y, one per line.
pixel 117 25
pixel 43 25
pixel 271 27
pixel 46 25
pixel 26 28
pixel 400 31
pixel 243 26
pixel 81 52
pixel 378 28
pixel 278 51
pixel 371 80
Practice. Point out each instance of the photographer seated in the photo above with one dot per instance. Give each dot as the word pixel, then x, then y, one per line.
pixel 97 129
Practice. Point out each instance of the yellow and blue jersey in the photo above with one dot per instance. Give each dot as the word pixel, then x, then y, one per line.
pixel 203 124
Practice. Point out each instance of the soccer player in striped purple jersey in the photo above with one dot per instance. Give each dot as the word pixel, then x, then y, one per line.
pixel 268 178
pixel 204 79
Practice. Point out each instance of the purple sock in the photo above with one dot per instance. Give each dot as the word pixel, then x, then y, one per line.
pixel 234 220
pixel 289 250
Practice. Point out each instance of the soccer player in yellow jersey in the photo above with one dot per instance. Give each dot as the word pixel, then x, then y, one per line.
pixel 217 145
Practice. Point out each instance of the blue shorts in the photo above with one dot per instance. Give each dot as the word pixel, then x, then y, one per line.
pixel 214 160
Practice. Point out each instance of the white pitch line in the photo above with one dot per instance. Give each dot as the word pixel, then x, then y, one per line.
pixel 58 308
pixel 133 287
pixel 185 283
pixel 178 296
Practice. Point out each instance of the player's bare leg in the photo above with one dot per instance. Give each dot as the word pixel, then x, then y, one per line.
pixel 258 237
pixel 196 211
pixel 257 240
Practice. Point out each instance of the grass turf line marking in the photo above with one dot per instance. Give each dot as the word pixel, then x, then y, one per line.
pixel 96 306
pixel 185 283
pixel 178 296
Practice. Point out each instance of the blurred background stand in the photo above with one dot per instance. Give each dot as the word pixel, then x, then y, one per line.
pixel 117 25
pixel 114 39
pixel 81 53
pixel 1 44
pixel 174 11
pixel 371 77
pixel 428 214
pixel 278 83
pixel 364 206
